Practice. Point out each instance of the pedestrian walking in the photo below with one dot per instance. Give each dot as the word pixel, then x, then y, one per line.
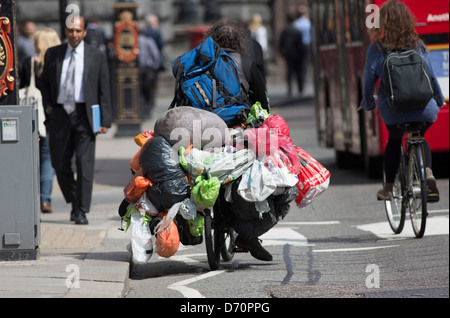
pixel 292 49
pixel 43 39
pixel 149 64
pixel 303 24
pixel 75 78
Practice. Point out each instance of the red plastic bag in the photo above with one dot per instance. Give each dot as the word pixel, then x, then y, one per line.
pixel 278 122
pixel 272 136
pixel 313 178
pixel 167 240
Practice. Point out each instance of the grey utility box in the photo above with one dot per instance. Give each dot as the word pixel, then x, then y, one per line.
pixel 19 183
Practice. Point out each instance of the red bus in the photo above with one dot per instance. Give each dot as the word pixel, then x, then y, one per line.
pixel 340 42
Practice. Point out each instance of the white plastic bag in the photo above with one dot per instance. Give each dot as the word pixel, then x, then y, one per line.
pixel 141 239
pixel 188 209
pixel 169 218
pixel 276 164
pixel 257 183
pixel 227 165
pixel 144 205
pixel 230 164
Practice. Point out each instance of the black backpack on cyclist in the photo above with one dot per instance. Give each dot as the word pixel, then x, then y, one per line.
pixel 406 80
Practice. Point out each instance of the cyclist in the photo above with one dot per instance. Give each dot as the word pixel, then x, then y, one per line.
pixel 230 36
pixel 396 30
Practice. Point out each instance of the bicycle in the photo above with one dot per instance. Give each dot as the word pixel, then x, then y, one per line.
pixel 410 188
pixel 219 235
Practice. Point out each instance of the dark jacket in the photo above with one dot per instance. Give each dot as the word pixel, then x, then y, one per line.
pixel 374 70
pixel 291 43
pixel 95 80
pixel 252 79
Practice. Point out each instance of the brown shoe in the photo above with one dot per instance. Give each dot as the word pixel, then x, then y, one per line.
pixel 432 191
pixel 46 208
pixel 386 194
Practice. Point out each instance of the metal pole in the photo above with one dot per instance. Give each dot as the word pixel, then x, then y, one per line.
pixel 62 18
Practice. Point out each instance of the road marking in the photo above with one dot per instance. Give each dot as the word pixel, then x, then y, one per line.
pixel 438 211
pixel 310 223
pixel 188 292
pixel 187 258
pixel 436 225
pixel 283 236
pixel 355 249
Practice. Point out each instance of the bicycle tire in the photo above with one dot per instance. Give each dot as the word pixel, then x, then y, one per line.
pixel 227 245
pixel 396 208
pixel 211 242
pixel 417 191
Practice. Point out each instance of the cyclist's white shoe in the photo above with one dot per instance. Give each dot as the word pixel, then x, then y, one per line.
pixel 386 193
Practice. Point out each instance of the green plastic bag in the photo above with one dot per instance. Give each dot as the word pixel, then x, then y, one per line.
pixel 206 191
pixel 257 113
pixel 196 225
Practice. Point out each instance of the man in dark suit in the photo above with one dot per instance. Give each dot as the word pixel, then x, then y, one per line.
pixel 75 77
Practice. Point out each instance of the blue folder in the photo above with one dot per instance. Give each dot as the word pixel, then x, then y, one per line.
pixel 96 118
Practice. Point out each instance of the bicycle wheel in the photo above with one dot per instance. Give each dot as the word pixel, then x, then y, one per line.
pixel 417 191
pixel 227 245
pixel 212 240
pixel 396 208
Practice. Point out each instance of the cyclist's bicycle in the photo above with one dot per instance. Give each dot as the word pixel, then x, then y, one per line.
pixel 410 187
pixel 219 235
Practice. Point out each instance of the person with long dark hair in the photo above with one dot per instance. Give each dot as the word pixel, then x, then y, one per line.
pixel 396 31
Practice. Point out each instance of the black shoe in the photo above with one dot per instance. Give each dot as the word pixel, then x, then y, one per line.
pixel 72 216
pixel 255 248
pixel 81 218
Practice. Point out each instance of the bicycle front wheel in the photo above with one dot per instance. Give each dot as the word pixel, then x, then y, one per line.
pixel 212 240
pixel 396 208
pixel 417 191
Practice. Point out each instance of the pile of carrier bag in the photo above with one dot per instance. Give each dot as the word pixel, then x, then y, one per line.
pixel 191 157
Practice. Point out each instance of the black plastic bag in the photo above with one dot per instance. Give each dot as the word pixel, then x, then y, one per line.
pixel 246 219
pixel 160 164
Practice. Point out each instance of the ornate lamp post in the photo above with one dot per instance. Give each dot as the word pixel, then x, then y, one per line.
pixel 126 70
pixel 8 63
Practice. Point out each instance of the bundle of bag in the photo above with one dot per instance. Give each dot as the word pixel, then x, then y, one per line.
pixel 182 165
pixel 159 195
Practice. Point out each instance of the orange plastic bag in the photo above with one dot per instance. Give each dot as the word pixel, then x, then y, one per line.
pixel 167 241
pixel 141 140
pixel 136 187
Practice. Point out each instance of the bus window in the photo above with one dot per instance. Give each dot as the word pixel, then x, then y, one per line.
pixel 353 21
pixel 326 23
pixel 439 38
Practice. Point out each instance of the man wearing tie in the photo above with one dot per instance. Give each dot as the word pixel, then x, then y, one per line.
pixel 75 77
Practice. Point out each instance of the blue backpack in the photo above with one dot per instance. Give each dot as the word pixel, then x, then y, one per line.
pixel 208 78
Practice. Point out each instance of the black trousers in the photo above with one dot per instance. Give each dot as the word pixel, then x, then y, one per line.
pixel 72 135
pixel 392 152
pixel 294 72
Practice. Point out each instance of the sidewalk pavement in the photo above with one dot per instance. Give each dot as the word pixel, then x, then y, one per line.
pixel 91 261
